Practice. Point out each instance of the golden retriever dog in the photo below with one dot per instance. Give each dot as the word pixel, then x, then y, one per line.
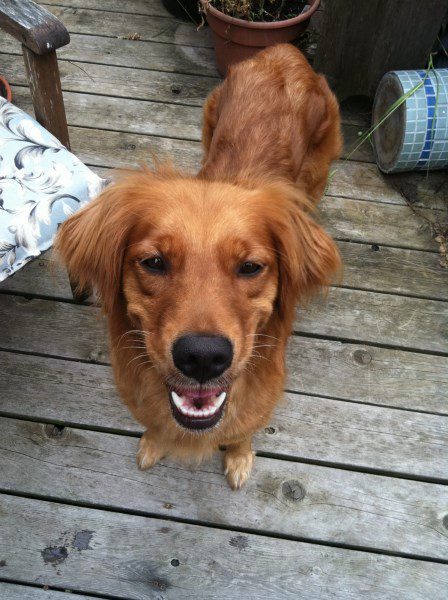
pixel 200 276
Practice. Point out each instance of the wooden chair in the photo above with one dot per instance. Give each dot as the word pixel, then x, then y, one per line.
pixel 40 34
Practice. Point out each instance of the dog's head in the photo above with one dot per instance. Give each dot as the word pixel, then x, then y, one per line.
pixel 202 270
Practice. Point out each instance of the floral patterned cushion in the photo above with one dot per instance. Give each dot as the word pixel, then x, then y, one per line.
pixel 41 184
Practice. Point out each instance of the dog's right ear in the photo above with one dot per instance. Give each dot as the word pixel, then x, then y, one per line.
pixel 92 242
pixel 308 259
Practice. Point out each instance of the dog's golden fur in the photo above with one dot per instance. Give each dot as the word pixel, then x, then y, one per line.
pixel 270 132
pixel 272 117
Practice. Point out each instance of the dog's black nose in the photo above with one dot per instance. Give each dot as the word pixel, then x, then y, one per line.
pixel 202 357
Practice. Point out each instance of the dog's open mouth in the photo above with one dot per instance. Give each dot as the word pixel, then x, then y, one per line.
pixel 198 409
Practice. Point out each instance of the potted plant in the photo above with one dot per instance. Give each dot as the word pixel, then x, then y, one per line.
pixel 242 27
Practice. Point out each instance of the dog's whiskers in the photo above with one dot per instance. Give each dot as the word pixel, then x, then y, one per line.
pixel 137 331
pixel 133 348
pixel 265 346
pixel 249 367
pixel 137 342
pixel 262 335
pixel 137 357
pixel 258 355
pixel 146 362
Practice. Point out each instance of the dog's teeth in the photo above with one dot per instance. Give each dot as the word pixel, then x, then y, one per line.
pixel 199 413
pixel 177 400
pixel 220 400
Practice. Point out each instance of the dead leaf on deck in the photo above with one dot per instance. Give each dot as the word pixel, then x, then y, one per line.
pixel 131 36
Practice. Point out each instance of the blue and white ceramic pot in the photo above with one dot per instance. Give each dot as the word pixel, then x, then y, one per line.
pixel 414 136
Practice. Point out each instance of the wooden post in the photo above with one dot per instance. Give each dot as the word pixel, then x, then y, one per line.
pixel 46 93
pixel 362 40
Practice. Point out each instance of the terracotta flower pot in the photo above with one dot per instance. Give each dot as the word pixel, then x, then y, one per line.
pixel 237 39
pixel 5 90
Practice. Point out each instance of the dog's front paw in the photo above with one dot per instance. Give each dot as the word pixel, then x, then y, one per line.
pixel 148 453
pixel 237 467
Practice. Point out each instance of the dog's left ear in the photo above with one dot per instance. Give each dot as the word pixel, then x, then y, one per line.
pixel 92 243
pixel 308 259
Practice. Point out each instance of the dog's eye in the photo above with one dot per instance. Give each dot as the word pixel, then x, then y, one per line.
pixel 250 268
pixel 155 264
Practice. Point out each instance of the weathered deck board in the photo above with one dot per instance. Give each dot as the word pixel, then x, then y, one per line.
pixel 58 390
pixel 338 506
pixel 123 82
pixel 48 327
pixel 375 223
pixel 367 374
pixel 41 277
pixel 383 318
pixel 155 29
pixel 149 8
pixel 170 58
pixel 131 557
pixel 335 426
pixel 393 270
pixel 304 427
pixel 12 591
pixel 352 371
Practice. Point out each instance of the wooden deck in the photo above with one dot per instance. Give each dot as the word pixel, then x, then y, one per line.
pixel 348 498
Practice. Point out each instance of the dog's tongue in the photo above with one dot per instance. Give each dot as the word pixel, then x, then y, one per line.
pixel 200 397
pixel 200 394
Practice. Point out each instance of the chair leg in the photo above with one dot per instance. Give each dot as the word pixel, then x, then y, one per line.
pixel 46 93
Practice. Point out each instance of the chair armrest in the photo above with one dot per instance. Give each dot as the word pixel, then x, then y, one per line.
pixel 34 26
